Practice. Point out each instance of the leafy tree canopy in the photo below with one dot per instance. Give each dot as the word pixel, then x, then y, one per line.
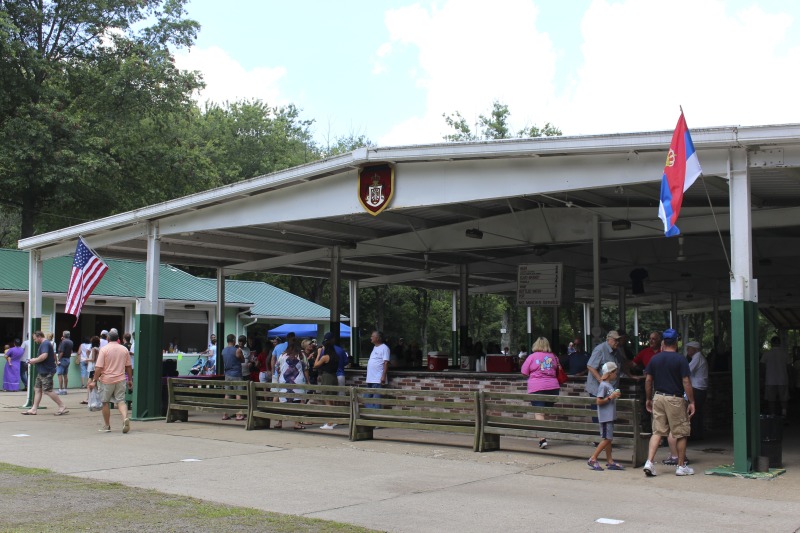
pixel 493 126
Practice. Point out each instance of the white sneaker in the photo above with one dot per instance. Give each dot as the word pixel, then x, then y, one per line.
pixel 105 429
pixel 649 469
pixel 684 470
pixel 326 426
pixel 126 425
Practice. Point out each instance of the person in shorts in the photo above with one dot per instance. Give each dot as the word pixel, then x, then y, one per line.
pixel 668 380
pixel 63 358
pixel 45 363
pixel 113 376
pixel 606 415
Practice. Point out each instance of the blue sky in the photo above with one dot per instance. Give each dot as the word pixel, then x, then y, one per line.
pixel 389 69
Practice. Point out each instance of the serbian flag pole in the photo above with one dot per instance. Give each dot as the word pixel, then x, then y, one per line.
pixel 680 173
pixel 87 271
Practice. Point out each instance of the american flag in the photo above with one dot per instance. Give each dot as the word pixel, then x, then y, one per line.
pixel 87 271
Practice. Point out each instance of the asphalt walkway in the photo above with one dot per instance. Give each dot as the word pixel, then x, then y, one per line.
pixel 403 480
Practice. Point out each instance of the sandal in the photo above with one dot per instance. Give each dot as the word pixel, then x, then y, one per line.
pixel 226 417
pixel 84 402
pixel 614 466
pixel 61 412
pixel 299 426
pixel 241 417
pixel 27 413
pixel 594 465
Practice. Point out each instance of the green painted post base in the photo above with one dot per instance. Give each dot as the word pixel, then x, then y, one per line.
pixel 36 325
pixel 147 383
pixel 744 374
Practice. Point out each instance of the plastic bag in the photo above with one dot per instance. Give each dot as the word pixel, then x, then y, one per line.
pixel 94 400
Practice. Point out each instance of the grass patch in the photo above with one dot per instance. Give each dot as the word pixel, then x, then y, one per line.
pixel 105 506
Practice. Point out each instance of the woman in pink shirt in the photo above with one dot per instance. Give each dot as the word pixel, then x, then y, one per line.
pixel 541 367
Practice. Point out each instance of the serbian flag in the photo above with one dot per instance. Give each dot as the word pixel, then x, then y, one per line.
pixel 87 271
pixel 680 172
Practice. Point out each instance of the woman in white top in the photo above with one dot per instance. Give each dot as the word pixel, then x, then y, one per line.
pixel 94 351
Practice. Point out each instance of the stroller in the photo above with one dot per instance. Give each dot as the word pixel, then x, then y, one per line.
pixel 197 367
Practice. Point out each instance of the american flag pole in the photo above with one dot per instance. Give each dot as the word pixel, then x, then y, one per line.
pixel 87 271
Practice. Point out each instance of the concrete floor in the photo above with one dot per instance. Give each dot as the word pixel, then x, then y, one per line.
pixel 403 480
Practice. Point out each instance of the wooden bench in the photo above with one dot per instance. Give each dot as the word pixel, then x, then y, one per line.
pixel 454 412
pixel 311 408
pixel 508 414
pixel 204 395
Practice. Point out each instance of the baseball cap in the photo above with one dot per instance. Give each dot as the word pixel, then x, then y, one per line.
pixel 328 336
pixel 693 344
pixel 613 334
pixel 104 332
pixel 670 334
pixel 609 367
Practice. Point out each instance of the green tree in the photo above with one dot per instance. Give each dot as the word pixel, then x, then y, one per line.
pixel 495 125
pixel 75 77
pixel 250 138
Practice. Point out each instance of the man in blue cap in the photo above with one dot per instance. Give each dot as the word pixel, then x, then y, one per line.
pixel 668 379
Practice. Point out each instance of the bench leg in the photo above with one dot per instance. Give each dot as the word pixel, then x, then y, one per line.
pixel 361 433
pixel 489 442
pixel 640 451
pixel 177 415
pixel 256 422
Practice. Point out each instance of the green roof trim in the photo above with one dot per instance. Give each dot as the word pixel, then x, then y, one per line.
pixel 272 302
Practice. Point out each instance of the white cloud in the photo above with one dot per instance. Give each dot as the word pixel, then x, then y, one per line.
pixel 469 54
pixel 640 61
pixel 226 79
pixel 644 59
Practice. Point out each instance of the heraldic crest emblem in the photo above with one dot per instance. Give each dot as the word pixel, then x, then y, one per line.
pixel 376 187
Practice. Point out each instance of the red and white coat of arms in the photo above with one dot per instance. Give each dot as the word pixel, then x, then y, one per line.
pixel 376 187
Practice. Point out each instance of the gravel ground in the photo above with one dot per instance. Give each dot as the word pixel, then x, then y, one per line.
pixel 38 500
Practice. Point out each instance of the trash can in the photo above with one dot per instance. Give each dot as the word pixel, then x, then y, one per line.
pixel 772 439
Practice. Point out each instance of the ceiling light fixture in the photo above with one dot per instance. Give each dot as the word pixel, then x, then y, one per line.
pixel 619 225
pixel 474 233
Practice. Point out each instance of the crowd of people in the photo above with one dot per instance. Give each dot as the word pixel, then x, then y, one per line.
pixel 675 389
pixel 676 384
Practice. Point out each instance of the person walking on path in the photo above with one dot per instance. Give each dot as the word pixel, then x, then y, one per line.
pixel 45 363
pixel 113 375
pixel 668 379
pixel 606 414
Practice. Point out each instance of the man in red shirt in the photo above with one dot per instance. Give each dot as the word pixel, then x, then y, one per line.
pixel 642 358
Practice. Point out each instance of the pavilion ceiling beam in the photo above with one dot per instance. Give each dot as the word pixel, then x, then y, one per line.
pixel 189 251
pixel 350 231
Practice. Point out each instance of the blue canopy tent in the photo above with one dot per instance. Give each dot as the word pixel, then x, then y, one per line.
pixel 306 330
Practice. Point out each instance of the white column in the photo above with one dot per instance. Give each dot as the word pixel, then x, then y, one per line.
pixel 153 265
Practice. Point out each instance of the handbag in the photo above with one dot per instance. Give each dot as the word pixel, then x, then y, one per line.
pixel 561 374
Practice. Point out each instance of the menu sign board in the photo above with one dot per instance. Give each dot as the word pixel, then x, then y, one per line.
pixel 545 285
